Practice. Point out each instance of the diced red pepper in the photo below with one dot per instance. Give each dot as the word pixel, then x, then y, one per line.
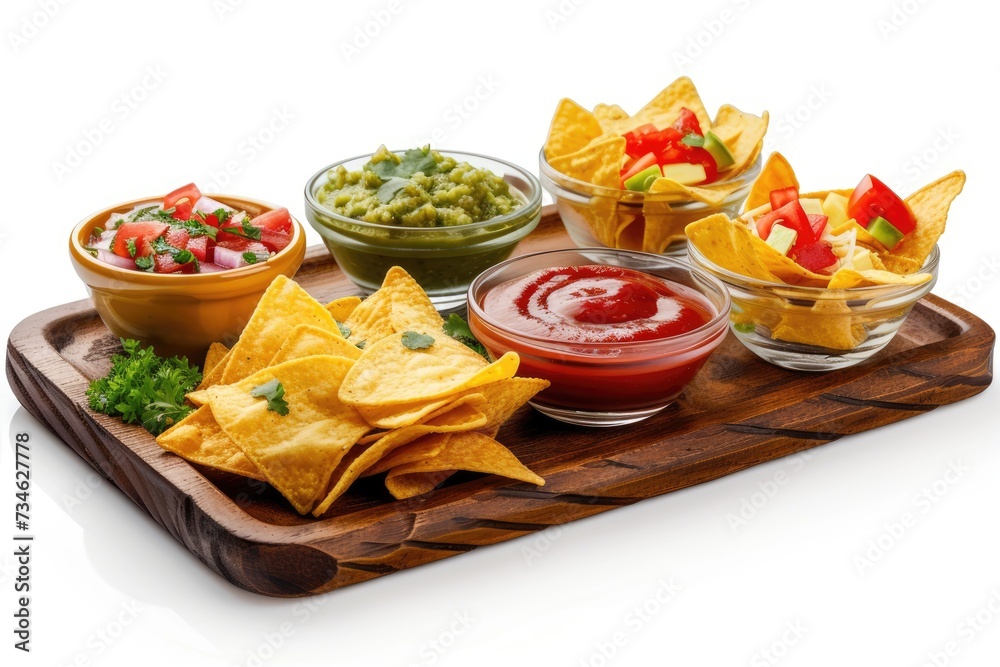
pixel 687 123
pixel 139 232
pixel 647 139
pixel 701 156
pixel 782 196
pixel 873 198
pixel 818 224
pixel 814 256
pixel 790 215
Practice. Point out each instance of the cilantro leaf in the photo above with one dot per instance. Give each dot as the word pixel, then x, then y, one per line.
pixel 345 330
pixel 250 258
pixel 130 246
pixel 249 230
pixel 413 160
pixel 145 263
pixel 97 231
pixel 196 228
pixel 275 395
pixel 222 215
pixel 361 344
pixel 143 213
pixel 417 341
pixel 143 388
pixel 390 188
pixel 458 329
pixel 181 256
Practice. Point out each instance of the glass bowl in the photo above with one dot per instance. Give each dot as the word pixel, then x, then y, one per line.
pixel 596 216
pixel 443 260
pixel 604 383
pixel 176 313
pixel 815 328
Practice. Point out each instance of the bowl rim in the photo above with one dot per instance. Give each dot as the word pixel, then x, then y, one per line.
pixel 79 254
pixel 547 171
pixel 682 341
pixel 930 265
pixel 531 203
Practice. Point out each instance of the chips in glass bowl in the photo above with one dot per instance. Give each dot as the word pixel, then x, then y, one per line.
pixel 634 182
pixel 820 290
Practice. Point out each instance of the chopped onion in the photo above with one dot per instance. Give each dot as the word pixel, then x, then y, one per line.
pixel 208 205
pixel 114 260
pixel 228 258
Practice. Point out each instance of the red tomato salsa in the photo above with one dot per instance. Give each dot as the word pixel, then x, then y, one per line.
pixel 189 233
pixel 603 334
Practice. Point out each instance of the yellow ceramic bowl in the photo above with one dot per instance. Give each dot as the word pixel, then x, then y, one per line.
pixel 179 313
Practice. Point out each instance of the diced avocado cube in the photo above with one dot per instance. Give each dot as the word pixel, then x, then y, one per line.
pixel 812 206
pixel 835 208
pixel 862 260
pixel 782 238
pixel 684 173
pixel 886 234
pixel 641 181
pixel 714 145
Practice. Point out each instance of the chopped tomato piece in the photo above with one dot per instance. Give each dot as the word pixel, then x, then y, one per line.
pixel 182 211
pixel 647 139
pixel 138 232
pixel 790 215
pixel 873 198
pixel 212 220
pixel 199 247
pixel 814 256
pixel 277 220
pixel 232 242
pixel 178 238
pixel 189 192
pixel 275 241
pixel 782 196
pixel 687 123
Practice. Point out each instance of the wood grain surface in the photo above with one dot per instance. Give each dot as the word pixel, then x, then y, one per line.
pixel 737 413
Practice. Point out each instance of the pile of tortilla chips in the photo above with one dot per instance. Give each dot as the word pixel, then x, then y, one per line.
pixel 313 397
pixel 828 321
pixel 589 146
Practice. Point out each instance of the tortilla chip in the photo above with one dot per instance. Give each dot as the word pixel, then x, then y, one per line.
pixel 197 438
pixel 502 399
pixel 411 309
pixel 389 373
pixel 462 417
pixel 847 278
pixel 306 340
pixel 216 353
pixel 471 451
pixel 665 108
pixel 342 308
pixel 298 451
pixel 728 245
pixel 599 162
pixel 930 206
pixel 609 117
pixel 826 324
pixel 214 376
pixel 775 174
pixel 714 197
pixel 572 128
pixel 748 143
pixel 284 305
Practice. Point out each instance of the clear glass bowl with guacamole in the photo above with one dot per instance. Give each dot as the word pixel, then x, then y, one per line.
pixel 444 216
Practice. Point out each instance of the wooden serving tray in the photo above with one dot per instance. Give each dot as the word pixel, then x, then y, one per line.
pixel 738 412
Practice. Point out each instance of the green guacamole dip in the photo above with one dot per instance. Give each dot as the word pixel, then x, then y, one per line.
pixel 420 188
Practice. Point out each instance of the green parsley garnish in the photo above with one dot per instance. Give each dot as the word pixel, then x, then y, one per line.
pixel 345 330
pixel 458 329
pixel 145 263
pixel 417 341
pixel 275 395
pixel 145 389
pixel 250 258
pixel 196 228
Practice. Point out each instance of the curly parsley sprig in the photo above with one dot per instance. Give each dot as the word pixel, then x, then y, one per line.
pixel 143 388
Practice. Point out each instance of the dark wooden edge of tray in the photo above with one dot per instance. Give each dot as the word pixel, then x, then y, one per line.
pixel 288 561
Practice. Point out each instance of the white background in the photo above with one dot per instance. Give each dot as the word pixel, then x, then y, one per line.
pixel 904 90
